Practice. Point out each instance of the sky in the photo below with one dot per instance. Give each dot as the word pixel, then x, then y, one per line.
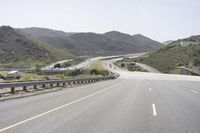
pixel 160 20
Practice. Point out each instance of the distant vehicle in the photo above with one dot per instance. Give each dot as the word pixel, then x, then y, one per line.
pixel 114 67
pixel 13 75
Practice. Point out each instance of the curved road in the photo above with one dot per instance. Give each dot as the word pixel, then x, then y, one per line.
pixel 135 103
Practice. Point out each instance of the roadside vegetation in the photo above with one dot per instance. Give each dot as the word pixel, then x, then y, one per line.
pixel 173 56
pixel 73 62
pixel 130 66
pixel 97 68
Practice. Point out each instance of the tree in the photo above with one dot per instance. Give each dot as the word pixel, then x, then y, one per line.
pixel 122 65
pixel 196 61
pixel 57 66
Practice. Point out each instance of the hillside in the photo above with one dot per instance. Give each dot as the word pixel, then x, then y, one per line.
pixel 16 49
pixel 146 43
pixel 183 52
pixel 39 32
pixel 94 44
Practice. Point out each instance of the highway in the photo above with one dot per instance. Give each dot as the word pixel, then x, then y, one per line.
pixel 87 62
pixel 137 102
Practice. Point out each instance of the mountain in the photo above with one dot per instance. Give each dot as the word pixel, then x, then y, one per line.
pixel 16 49
pixel 92 43
pixel 181 53
pixel 146 43
pixel 39 32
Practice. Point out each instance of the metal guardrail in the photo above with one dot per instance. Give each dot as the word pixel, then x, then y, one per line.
pixel 58 83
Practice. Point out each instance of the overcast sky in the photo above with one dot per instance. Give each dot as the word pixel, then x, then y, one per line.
pixel 158 19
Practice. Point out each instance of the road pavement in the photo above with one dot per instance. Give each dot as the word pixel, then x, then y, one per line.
pixel 135 103
pixel 88 62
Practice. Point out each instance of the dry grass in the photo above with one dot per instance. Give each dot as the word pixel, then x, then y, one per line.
pixel 3 72
pixel 24 77
pixel 31 76
pixel 98 65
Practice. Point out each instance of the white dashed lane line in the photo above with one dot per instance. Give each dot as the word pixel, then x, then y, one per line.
pixel 150 89
pixel 195 91
pixel 154 110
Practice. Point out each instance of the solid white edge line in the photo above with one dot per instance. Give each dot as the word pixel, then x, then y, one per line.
pixel 154 109
pixel 57 108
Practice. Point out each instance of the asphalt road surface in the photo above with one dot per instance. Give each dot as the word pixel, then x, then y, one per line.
pixel 134 103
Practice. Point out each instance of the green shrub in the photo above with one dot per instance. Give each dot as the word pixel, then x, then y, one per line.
pixel 99 72
pixel 196 61
pixel 39 71
pixel 122 64
pixel 72 73
pixel 57 65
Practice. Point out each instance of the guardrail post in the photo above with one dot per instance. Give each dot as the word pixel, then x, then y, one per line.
pixel 12 90
pixel 63 83
pixel 51 85
pixel 35 87
pixel 24 88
